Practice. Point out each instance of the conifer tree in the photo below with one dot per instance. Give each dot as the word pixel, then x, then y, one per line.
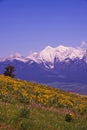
pixel 9 71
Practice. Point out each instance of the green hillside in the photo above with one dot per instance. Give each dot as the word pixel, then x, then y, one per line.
pixel 30 106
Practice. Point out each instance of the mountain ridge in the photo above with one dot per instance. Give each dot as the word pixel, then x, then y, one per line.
pixel 60 64
pixel 60 53
pixel 49 54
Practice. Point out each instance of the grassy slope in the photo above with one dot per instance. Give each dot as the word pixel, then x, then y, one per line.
pixel 46 107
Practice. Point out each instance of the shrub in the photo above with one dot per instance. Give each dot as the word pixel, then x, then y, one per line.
pixel 24 113
pixel 68 117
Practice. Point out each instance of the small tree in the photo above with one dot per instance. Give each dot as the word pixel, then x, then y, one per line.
pixel 9 71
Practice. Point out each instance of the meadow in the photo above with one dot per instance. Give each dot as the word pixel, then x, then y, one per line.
pixel 30 106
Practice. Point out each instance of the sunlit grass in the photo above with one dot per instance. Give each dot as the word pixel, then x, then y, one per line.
pixel 30 106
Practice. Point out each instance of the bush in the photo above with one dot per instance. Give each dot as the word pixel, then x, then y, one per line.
pixel 24 113
pixel 68 117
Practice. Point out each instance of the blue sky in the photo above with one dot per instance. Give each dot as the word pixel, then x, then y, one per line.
pixel 31 25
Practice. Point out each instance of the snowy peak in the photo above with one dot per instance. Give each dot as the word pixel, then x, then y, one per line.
pixel 49 55
pixel 45 56
pixel 48 48
pixel 61 53
pixel 16 56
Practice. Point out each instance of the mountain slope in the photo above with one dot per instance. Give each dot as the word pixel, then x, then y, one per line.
pixel 25 105
pixel 18 90
pixel 60 53
pixel 60 64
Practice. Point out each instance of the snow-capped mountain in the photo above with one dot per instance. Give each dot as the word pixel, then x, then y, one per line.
pixel 49 54
pixel 60 53
pixel 14 57
pixel 60 64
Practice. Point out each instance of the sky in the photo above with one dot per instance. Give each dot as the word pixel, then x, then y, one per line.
pixel 27 26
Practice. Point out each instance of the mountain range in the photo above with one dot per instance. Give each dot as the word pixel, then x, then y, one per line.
pixel 60 64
